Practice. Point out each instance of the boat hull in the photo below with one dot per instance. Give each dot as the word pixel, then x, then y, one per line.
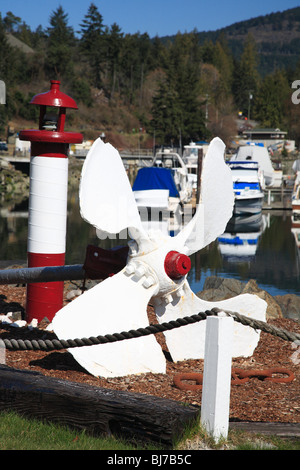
pixel 248 206
pixel 296 206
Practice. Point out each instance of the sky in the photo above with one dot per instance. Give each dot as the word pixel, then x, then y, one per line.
pixel 155 17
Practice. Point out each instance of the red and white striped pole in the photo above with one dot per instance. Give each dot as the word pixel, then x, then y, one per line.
pixel 48 198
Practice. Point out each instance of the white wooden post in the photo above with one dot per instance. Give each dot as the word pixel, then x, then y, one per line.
pixel 217 376
pixel 269 198
pixel 2 352
pixel 2 92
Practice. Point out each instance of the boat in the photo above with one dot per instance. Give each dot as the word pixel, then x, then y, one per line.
pixel 260 155
pixel 278 174
pixel 247 187
pixel 190 158
pixel 171 160
pixel 161 191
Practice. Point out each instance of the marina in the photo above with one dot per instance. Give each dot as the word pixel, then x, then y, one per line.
pixel 261 265
pixel 275 245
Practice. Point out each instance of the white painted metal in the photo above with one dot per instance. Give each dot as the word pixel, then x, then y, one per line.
pixel 216 201
pixel 215 401
pixel 119 303
pixel 152 198
pixel 106 197
pixel 188 342
pixel 48 205
pixel 115 305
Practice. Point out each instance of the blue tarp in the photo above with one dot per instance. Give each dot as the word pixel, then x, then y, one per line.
pixel 155 178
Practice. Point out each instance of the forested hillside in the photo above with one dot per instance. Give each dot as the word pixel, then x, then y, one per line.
pixel 190 86
pixel 277 36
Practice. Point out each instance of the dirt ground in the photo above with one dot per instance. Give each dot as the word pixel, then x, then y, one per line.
pixel 256 400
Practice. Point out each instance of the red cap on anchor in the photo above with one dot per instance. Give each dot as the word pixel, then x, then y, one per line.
pixel 177 265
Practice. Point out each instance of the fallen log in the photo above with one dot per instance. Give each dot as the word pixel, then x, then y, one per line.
pixel 97 410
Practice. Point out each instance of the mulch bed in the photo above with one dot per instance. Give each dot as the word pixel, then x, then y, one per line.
pixel 256 400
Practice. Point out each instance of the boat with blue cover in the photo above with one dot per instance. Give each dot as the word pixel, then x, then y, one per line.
pixel 161 191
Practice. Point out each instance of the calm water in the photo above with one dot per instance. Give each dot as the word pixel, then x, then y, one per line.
pixel 274 261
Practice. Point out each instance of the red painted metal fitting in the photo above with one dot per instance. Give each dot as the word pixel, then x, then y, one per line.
pixel 177 265
pixel 53 98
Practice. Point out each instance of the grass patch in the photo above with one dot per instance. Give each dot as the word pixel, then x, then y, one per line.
pixel 197 437
pixel 263 442
pixel 19 433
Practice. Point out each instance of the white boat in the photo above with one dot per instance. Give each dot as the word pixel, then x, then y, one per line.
pixel 190 158
pixel 161 191
pixel 247 187
pixel 260 155
pixel 171 160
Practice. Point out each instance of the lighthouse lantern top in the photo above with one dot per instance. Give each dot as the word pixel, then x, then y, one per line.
pixel 54 97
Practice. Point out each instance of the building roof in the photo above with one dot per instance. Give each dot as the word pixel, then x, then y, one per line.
pixel 264 131
pixel 15 42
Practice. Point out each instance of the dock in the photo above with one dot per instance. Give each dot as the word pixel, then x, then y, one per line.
pixel 277 199
pixel 20 163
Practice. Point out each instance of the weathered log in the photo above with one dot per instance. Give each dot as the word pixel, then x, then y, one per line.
pixel 95 409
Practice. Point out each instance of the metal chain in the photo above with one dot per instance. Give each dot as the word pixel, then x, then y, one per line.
pixel 238 377
pixel 56 344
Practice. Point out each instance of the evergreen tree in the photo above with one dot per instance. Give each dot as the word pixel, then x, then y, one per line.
pixel 92 43
pixel 208 51
pixel 12 60
pixel 223 62
pixel 159 53
pixel 166 115
pixel 192 125
pixel 271 100
pixel 60 41
pixel 177 114
pixel 11 22
pixel 245 76
pixel 136 61
pixel 6 66
pixel 114 41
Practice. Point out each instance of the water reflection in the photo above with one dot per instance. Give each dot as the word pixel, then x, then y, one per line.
pixel 13 231
pixel 271 256
pixel 240 241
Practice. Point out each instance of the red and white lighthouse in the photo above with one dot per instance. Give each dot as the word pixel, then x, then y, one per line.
pixel 48 198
